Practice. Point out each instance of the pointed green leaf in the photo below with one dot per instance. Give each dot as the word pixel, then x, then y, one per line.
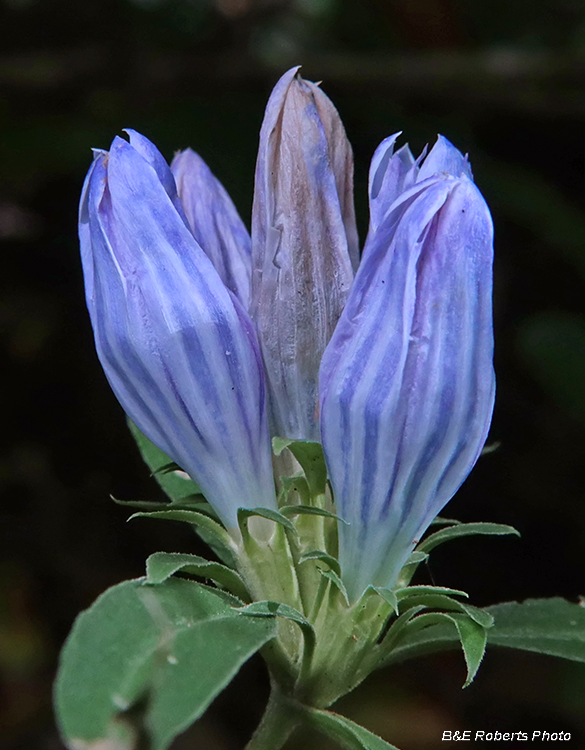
pixel 464 529
pixel 318 554
pixel 279 444
pixel 332 576
pixel 183 491
pixel 297 483
pixel 310 510
pixel 310 456
pixel 409 568
pixel 418 590
pixel 545 626
pixel 350 735
pixel 218 535
pixel 393 636
pixel 416 558
pixel 192 502
pixel 271 515
pixel 177 645
pixel 480 616
pixel 274 609
pixel 177 485
pixel 473 637
pixel 443 602
pixel 162 565
pixel 388 596
pixel 440 521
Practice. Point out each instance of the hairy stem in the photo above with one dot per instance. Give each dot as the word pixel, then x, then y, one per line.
pixel 278 723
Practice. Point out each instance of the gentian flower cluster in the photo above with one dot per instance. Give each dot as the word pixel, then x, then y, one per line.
pixel 214 342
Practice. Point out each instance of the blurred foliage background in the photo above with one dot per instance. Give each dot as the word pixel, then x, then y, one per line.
pixel 504 81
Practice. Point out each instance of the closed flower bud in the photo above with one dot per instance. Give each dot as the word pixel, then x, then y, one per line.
pixel 177 347
pixel 303 243
pixel 214 221
pixel 407 381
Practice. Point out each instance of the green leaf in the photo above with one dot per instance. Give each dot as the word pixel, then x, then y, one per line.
pixel 162 565
pixel 349 734
pixel 279 444
pixel 546 626
pixel 416 558
pixel 178 487
pixel 274 609
pixel 183 491
pixel 177 645
pixel 443 602
pixel 388 596
pixel 310 510
pixel 222 542
pixel 418 590
pixel 554 627
pixel 410 566
pixel 394 633
pixel 472 635
pixel 297 483
pixel 318 554
pixel 310 456
pixel 461 530
pixel 277 609
pixel 332 576
pixel 271 515
pixel 440 521
pixel 194 502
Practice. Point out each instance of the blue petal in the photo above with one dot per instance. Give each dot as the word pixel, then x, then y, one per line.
pixel 407 382
pixel 302 231
pixel 390 175
pixel 215 222
pixel 444 158
pixel 176 345
pixel 153 156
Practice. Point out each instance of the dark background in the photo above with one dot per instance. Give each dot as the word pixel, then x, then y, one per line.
pixel 504 81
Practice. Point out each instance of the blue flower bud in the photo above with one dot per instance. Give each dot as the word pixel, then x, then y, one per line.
pixel 177 347
pixel 407 381
pixel 215 222
pixel 304 241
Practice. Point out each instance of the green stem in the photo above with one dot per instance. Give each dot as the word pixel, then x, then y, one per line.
pixel 278 723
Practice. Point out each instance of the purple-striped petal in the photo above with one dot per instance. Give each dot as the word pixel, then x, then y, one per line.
pixel 215 222
pixel 177 347
pixel 303 231
pixel 407 382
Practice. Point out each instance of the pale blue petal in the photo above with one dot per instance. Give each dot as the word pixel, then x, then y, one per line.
pixel 407 381
pixel 302 269
pixel 175 344
pixel 215 222
pixel 446 159
pixel 153 156
pixel 390 175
